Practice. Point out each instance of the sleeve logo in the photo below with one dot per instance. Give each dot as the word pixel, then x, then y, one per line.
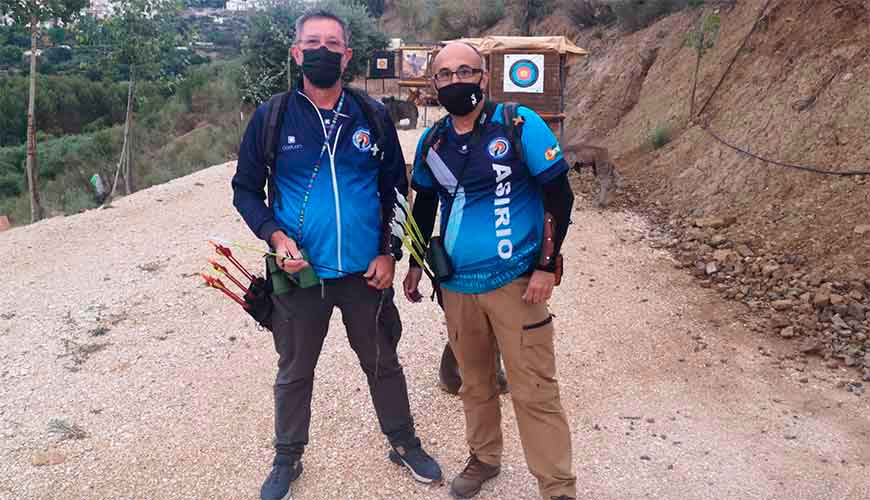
pixel 552 153
pixel 498 148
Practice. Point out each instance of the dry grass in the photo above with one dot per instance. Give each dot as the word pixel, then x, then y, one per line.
pixel 66 430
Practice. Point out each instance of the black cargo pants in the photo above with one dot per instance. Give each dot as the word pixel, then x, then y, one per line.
pixel 300 323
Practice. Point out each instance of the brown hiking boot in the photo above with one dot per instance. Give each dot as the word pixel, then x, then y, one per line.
pixel 469 481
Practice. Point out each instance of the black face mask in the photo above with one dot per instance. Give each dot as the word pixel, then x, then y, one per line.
pixel 321 66
pixel 460 98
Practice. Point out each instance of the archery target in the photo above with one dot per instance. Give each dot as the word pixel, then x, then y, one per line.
pixel 524 73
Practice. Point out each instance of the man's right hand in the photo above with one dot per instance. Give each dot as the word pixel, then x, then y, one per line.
pixel 411 284
pixel 289 257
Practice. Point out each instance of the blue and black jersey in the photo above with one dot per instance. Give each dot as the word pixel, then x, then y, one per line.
pixel 336 213
pixel 495 222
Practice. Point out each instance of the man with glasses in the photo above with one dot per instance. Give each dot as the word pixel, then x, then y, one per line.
pixel 504 216
pixel 331 199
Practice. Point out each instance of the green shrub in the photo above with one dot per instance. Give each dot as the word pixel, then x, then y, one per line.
pixel 64 105
pixel 490 13
pixel 416 15
pixel 660 136
pixel 10 185
pixel 78 200
pixel 710 29
pixel 56 55
pixel 17 209
pixel 67 162
pixel 633 15
pixel 57 35
pixel 528 11
pixel 588 12
pixel 15 34
pixel 10 55
pixel 461 18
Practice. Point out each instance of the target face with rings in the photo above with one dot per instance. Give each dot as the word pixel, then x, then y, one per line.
pixel 524 73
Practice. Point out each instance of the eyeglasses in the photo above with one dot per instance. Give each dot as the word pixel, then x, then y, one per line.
pixel 464 72
pixel 333 44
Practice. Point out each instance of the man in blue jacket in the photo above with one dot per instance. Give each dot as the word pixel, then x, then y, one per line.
pixel 331 196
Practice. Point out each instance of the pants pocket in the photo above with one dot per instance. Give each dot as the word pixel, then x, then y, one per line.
pixel 538 332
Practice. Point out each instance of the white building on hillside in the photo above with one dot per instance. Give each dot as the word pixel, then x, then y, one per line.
pixel 100 8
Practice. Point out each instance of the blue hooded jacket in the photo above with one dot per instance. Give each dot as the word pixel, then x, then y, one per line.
pixel 339 214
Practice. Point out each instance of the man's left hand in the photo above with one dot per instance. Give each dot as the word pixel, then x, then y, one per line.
pixel 540 287
pixel 381 271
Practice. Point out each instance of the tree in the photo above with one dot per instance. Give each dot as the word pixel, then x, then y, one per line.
pixel 267 65
pixel 531 10
pixel 35 13
pixel 90 31
pixel 376 8
pixel 142 34
pixel 10 55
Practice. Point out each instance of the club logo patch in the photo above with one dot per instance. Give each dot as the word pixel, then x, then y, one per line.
pixel 552 153
pixel 362 139
pixel 498 148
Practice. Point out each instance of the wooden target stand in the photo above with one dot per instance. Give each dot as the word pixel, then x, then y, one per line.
pixel 414 79
pixel 550 103
pixel 382 74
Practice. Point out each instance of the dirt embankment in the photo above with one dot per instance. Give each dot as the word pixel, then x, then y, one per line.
pixel 791 245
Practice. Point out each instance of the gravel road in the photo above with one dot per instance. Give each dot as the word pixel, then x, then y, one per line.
pixel 117 364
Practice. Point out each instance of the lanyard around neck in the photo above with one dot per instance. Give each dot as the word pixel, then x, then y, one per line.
pixel 316 169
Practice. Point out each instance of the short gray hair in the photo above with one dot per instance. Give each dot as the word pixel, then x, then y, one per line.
pixel 322 14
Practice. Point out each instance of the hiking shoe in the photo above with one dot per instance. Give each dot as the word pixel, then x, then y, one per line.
pixel 285 470
pixel 423 467
pixel 471 479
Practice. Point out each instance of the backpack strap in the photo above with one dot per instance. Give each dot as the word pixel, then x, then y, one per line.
pixel 433 136
pixel 513 124
pixel 276 107
pixel 373 117
pixel 436 133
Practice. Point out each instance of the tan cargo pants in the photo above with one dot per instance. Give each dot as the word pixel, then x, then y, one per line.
pixel 476 323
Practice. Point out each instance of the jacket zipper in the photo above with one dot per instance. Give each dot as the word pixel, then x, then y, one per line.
pixel 331 152
pixel 335 192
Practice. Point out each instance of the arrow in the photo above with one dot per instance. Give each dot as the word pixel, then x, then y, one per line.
pixel 213 282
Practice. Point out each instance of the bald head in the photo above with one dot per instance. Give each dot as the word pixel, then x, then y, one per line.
pixel 455 54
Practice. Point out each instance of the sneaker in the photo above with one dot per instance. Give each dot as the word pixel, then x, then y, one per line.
pixel 468 483
pixel 423 467
pixel 285 470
